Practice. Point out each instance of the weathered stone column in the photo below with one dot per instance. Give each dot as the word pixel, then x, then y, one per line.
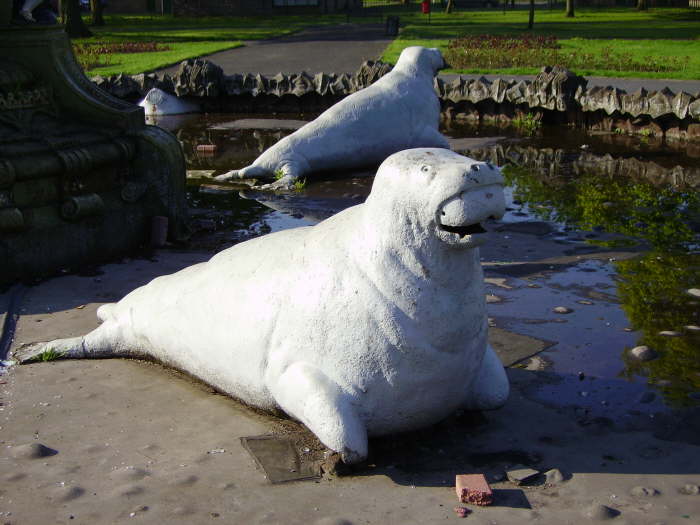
pixel 81 174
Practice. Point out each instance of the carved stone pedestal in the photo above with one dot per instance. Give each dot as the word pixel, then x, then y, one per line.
pixel 81 174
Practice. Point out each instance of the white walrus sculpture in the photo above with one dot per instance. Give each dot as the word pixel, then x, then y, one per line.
pixel 399 111
pixel 371 322
pixel 158 103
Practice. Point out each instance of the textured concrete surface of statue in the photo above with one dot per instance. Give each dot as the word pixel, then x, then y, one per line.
pixel 399 111
pixel 371 322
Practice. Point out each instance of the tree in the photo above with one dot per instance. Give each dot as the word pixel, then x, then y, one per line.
pixel 642 5
pixel 531 18
pixel 75 27
pixel 96 7
pixel 570 8
pixel 450 6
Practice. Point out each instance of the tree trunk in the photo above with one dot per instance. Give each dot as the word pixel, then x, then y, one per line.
pixel 450 6
pixel 96 8
pixel 570 8
pixel 75 27
pixel 642 5
pixel 531 18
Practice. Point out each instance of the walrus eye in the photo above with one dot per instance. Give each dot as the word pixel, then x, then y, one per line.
pixel 475 167
pixel 425 169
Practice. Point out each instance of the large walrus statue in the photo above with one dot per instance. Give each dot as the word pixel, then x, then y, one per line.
pixel 369 323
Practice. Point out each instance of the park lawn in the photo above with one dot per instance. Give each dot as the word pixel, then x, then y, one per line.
pixel 135 63
pixel 186 38
pixel 671 34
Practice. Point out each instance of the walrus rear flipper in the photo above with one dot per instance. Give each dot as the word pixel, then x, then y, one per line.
pixel 96 345
pixel 249 172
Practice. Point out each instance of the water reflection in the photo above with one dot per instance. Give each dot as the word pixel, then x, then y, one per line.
pixel 653 295
pixel 651 288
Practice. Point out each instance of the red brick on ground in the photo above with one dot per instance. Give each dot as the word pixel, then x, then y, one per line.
pixel 474 489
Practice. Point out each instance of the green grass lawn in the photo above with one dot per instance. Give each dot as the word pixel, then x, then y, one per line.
pixel 658 32
pixel 186 37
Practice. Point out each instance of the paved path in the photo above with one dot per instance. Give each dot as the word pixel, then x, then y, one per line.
pixel 343 48
pixel 325 49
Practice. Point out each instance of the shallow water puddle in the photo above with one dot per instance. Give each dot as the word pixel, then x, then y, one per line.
pixel 604 227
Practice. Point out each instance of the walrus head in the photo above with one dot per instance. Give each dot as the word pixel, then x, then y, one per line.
pixel 436 194
pixel 421 59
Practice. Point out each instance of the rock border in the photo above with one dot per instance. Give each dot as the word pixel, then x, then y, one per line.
pixel 555 96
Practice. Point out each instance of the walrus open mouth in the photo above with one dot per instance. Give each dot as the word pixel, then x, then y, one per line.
pixel 463 231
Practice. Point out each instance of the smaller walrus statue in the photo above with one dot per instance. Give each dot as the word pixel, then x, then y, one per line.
pixel 369 323
pixel 399 111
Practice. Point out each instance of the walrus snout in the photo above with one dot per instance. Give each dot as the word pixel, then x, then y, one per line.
pixel 460 218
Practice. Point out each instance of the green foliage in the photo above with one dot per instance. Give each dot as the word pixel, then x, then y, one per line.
pixel 278 174
pixel 299 184
pixel 50 355
pixel 660 43
pixel 528 124
pixel 513 51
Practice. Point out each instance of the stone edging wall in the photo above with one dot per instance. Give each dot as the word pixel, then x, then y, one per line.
pixel 555 96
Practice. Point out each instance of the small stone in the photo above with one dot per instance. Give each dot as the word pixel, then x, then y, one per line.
pixel 561 310
pixel 601 512
pixel 694 292
pixel 583 301
pixel 670 333
pixel 646 397
pixel 643 353
pixel 520 474
pixel 692 328
pixel 491 299
pixel 217 451
pixel 690 489
pixel 462 512
pixel 553 476
pixel 32 451
pixel 644 492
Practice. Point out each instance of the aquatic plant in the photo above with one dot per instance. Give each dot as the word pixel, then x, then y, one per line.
pixel 528 123
pixel 299 184
pixel 50 355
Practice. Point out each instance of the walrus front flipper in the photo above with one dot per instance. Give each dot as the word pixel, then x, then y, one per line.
pixel 490 388
pixel 307 394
